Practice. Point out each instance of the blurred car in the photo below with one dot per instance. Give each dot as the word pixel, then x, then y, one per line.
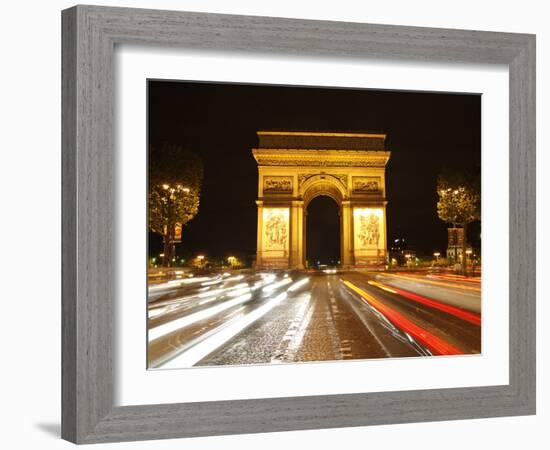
pixel 329 270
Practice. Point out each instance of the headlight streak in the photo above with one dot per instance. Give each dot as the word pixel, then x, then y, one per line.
pixel 156 312
pixel 228 331
pixel 240 291
pixel 161 286
pixel 206 295
pixel 210 283
pixel 223 291
pixel 185 321
pixel 207 300
pixel 235 278
pixel 195 280
pixel 199 351
pixel 298 284
pixel 176 283
pixel 270 288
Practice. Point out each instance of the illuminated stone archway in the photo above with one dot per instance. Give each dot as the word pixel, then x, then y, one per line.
pixel 296 167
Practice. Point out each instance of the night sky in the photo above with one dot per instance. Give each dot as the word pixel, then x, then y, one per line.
pixel 426 133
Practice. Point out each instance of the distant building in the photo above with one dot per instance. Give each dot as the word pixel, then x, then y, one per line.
pixel 454 244
pixel 399 253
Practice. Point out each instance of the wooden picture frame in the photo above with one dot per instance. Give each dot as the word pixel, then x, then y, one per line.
pixel 90 34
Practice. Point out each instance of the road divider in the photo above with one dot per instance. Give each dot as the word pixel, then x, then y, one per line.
pixel 453 310
pixel 436 345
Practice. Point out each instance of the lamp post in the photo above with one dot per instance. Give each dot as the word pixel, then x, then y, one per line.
pixel 232 260
pixel 201 260
pixel 468 255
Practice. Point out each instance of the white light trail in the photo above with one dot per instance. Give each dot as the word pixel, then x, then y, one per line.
pixel 272 287
pixel 268 277
pixel 210 283
pixel 157 311
pixel 185 321
pixel 161 286
pixel 176 283
pixel 204 348
pixel 235 278
pixel 298 285
pixel 237 292
pixel 209 293
pixel 195 280
pixel 232 290
pixel 207 300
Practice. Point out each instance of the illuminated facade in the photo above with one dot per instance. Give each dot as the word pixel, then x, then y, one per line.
pixel 296 167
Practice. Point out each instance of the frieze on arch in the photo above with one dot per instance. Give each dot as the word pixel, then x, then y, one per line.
pixel 348 167
pixel 314 161
pixel 303 177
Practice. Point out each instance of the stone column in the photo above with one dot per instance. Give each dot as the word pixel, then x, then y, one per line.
pixel 347 234
pixel 296 235
pixel 385 248
pixel 304 236
pixel 259 260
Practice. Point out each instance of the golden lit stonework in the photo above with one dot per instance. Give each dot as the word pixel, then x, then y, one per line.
pixel 296 167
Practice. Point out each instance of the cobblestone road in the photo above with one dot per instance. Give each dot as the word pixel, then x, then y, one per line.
pixel 297 317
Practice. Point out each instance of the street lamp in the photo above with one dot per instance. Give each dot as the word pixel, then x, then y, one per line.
pixel 468 255
pixel 199 260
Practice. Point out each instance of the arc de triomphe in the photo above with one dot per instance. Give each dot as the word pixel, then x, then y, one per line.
pixel 296 167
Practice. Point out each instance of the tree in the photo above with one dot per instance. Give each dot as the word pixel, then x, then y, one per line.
pixel 459 203
pixel 175 177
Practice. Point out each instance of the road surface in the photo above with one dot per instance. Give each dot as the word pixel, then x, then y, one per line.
pixel 288 317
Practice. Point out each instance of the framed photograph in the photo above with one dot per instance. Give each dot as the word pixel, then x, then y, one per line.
pixel 278 224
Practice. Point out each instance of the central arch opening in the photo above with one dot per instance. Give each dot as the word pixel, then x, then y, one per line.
pixel 323 232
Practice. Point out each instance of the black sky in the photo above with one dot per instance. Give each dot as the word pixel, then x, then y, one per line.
pixel 426 132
